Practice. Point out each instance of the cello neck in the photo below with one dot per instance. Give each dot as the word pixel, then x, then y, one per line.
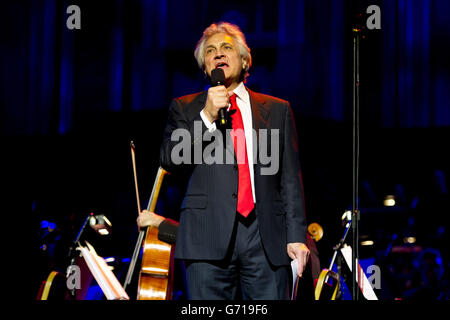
pixel 155 191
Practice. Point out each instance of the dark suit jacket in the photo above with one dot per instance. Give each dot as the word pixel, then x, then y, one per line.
pixel 167 231
pixel 208 210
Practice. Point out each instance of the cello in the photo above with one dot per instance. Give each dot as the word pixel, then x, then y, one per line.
pixel 156 273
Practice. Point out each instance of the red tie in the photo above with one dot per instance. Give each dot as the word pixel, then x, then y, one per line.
pixel 245 196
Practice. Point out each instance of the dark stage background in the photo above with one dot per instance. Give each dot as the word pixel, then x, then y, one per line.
pixel 71 101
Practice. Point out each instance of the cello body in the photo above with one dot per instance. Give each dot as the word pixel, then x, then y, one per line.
pixel 156 274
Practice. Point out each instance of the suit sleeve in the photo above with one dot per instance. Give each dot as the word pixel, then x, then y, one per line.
pixel 292 182
pixel 188 132
pixel 167 231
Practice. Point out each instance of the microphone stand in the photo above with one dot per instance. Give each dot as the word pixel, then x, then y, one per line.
pixel 72 252
pixel 355 207
pixel 338 258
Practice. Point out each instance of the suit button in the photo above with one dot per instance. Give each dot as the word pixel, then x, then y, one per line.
pixel 234 195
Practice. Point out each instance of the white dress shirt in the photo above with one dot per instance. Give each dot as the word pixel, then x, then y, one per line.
pixel 243 102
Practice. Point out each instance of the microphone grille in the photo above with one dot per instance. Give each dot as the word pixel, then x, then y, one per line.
pixel 217 77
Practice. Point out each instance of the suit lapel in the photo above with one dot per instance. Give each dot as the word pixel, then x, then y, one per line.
pixel 260 112
pixel 197 105
pixel 260 116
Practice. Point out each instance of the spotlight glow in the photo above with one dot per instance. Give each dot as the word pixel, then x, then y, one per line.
pixel 367 243
pixel 409 240
pixel 389 201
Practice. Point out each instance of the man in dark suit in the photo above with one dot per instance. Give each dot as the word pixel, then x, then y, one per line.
pixel 240 221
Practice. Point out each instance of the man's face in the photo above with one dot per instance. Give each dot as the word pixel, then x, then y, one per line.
pixel 221 51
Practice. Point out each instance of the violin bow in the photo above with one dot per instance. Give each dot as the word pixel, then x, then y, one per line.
pixel 141 231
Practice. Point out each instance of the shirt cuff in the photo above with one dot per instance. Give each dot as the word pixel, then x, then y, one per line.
pixel 211 126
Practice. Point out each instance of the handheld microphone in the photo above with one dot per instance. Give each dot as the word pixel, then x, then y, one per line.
pixel 218 79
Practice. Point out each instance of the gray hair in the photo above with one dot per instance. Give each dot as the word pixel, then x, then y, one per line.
pixel 233 31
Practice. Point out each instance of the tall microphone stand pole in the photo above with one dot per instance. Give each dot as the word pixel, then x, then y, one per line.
pixel 355 210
